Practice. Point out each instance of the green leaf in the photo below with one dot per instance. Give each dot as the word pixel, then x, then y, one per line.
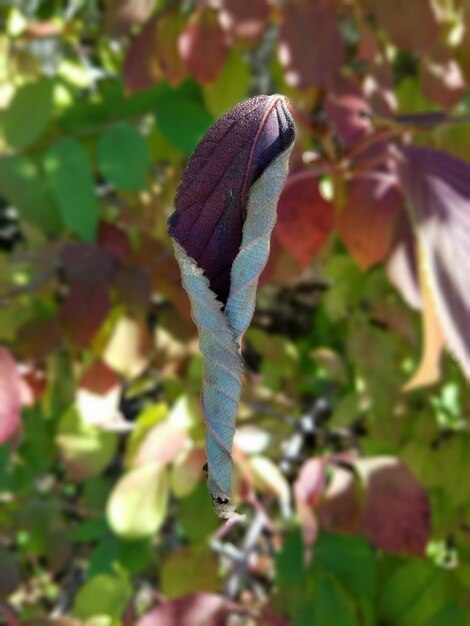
pixel 69 173
pixel 102 595
pixel 29 113
pixel 290 570
pixel 413 594
pixel 103 558
pixel 330 605
pixel 351 559
pixel 198 527
pixel 90 530
pixel 449 615
pixel 231 86
pixel 181 116
pixel 23 184
pixel 138 502
pixel 123 157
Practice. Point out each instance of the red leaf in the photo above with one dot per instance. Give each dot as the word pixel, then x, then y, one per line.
pixel 339 509
pixel 441 78
pixel 344 105
pixel 438 187
pixel 367 222
pixel 98 378
pixel 98 394
pixel 305 219
pixel 114 240
pixel 10 396
pixel 203 46
pixel 410 25
pixel 122 15
pixel 310 44
pixel 153 54
pixel 83 311
pixel 245 19
pixel 200 608
pixel 396 507
pixel 86 263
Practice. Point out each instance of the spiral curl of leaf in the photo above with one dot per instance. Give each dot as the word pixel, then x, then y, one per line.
pixel 220 331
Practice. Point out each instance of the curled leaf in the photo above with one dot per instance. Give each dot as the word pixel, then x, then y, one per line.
pixel 211 202
pixel 225 210
pixel 437 186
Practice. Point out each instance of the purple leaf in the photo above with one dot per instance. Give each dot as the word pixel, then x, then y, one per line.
pixel 210 205
pixel 438 188
pixel 402 264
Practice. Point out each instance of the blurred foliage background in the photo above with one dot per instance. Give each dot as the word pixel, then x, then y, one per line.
pixel 351 457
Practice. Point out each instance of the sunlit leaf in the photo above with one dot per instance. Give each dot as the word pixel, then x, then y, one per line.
pixel 153 53
pixel 162 443
pixel 203 46
pixel 137 505
pixel 122 15
pixel 441 78
pixel 245 20
pixel 98 395
pixel 339 509
pixel 102 595
pixel 428 371
pixel 85 450
pixel 128 348
pixel 410 26
pixel 267 477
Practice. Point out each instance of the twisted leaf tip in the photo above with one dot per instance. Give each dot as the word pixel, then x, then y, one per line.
pixel 225 210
